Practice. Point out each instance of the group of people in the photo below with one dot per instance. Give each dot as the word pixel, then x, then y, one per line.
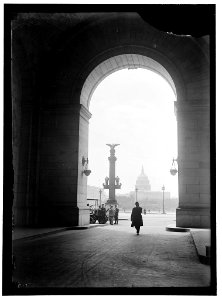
pixel 136 216
pixel 113 213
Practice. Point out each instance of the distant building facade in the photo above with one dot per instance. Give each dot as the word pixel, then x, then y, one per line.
pixel 93 195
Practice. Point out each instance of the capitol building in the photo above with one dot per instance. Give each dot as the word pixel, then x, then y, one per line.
pixel 143 183
pixel 151 200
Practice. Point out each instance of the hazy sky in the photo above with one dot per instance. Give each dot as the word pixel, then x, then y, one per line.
pixel 134 108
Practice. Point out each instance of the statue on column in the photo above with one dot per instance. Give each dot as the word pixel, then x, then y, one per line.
pixel 107 180
pixel 112 146
pixel 106 184
pixel 118 185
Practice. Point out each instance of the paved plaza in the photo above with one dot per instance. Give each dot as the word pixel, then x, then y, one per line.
pixel 112 256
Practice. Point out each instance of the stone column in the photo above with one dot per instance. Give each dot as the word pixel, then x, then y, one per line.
pixel 62 186
pixel 113 181
pixel 83 209
pixel 112 196
pixel 193 164
pixel 25 163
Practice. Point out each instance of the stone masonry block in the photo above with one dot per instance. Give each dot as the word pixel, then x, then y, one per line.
pixel 188 124
pixel 204 172
pixel 205 198
pixel 189 179
pixel 205 221
pixel 189 150
pixel 189 172
pixel 204 164
pixel 203 124
pixel 193 189
pixel 108 65
pixel 190 198
pixel 204 188
pixel 189 165
pixel 204 180
pixel 193 150
pixel 182 188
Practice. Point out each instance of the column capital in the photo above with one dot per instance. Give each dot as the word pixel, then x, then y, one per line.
pixel 112 158
pixel 84 112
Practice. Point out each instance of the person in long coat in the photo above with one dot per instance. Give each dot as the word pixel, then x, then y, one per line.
pixel 111 215
pixel 116 217
pixel 136 217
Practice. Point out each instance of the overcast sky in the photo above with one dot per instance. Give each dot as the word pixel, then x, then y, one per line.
pixel 134 108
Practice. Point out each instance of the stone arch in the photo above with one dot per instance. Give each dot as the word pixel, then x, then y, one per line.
pixel 115 63
pixel 104 65
pixel 190 83
pixel 61 85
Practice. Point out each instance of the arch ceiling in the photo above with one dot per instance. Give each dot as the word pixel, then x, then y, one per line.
pixel 115 63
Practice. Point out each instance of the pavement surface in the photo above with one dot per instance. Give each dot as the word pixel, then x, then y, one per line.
pixel 111 256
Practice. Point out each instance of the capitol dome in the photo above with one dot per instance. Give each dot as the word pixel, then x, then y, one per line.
pixel 142 182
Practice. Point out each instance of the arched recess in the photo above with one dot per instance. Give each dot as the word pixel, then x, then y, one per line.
pixel 102 70
pixel 115 63
pixel 193 175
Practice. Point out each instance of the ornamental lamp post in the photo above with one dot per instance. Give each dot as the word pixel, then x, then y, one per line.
pixel 173 170
pixel 100 193
pixel 163 189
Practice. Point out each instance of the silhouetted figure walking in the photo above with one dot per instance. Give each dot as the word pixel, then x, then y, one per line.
pixel 136 217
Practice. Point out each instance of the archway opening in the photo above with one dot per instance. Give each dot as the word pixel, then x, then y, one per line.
pixel 134 107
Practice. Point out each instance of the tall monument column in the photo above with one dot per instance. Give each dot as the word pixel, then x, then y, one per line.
pixel 112 182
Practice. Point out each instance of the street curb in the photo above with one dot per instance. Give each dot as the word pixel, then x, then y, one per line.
pixel 177 229
pixel 43 234
pixel 204 259
pixel 34 236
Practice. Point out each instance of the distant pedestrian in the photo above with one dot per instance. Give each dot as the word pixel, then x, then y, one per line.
pixel 136 217
pixel 116 214
pixel 111 215
pixel 144 211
